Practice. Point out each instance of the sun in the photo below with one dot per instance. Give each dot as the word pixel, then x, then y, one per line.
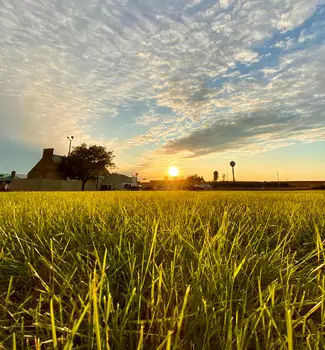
pixel 173 171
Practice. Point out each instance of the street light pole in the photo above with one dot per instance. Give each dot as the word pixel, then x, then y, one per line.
pixel 70 138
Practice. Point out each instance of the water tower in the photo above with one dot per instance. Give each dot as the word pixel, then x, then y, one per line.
pixel 232 164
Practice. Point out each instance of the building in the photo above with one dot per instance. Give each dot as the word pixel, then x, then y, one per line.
pixel 161 185
pixel 174 185
pixel 6 180
pixel 118 182
pixel 47 167
pixel 46 176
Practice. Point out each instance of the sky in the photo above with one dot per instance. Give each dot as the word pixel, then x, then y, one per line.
pixel 190 83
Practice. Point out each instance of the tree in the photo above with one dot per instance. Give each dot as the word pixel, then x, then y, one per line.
pixel 215 175
pixel 195 179
pixel 85 163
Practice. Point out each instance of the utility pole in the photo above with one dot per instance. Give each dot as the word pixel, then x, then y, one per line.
pixel 70 138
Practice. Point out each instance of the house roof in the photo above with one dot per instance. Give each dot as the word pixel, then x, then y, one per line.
pixel 6 177
pixel 57 159
pixel 116 178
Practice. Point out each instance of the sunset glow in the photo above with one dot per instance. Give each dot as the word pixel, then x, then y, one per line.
pixel 191 83
pixel 171 154
pixel 173 171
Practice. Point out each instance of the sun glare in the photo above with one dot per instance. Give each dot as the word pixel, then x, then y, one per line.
pixel 173 171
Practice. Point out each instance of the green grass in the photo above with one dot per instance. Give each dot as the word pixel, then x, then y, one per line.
pixel 169 270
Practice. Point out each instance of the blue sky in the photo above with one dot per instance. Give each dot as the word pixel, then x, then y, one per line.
pixel 191 83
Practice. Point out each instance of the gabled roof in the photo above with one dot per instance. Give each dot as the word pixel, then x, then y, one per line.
pixel 120 176
pixel 116 179
pixel 6 177
pixel 57 159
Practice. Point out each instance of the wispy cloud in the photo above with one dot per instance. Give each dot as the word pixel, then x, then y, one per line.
pixel 286 106
pixel 66 65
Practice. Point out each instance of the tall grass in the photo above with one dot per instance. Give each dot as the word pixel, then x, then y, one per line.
pixel 169 270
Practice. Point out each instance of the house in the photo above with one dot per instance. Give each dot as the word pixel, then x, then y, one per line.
pixel 46 176
pixel 47 167
pixel 118 182
pixel 6 180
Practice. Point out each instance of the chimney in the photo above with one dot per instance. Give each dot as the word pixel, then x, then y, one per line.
pixel 48 154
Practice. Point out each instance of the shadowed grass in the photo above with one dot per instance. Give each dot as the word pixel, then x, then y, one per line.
pixel 169 270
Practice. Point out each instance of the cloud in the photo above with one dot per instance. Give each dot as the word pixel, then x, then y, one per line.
pixel 146 120
pixel 286 106
pixel 66 65
pixel 252 132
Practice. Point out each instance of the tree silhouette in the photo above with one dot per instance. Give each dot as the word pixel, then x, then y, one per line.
pixel 195 179
pixel 85 163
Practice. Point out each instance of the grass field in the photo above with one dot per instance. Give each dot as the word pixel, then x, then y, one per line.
pixel 166 270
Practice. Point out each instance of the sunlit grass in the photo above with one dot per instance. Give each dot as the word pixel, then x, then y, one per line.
pixel 169 270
